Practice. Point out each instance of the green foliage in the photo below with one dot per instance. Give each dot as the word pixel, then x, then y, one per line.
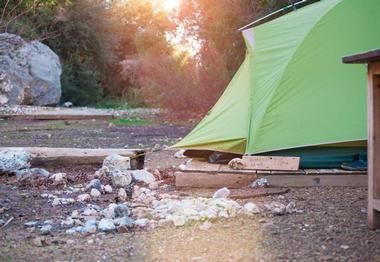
pixel 118 51
pixel 112 104
pixel 80 85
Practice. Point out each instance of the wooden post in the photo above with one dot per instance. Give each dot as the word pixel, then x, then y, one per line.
pixel 372 58
pixel 374 145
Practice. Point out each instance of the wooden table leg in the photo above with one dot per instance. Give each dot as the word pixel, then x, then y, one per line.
pixel 374 145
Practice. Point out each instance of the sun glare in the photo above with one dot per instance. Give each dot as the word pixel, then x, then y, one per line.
pixel 167 5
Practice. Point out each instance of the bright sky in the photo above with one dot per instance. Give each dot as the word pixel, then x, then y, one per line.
pixel 190 46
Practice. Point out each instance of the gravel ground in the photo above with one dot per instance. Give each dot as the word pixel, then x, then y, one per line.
pixel 332 226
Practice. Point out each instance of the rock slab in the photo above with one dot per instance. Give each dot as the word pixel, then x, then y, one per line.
pixel 29 72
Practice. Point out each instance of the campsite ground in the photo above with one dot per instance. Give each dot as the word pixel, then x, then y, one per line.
pixel 332 226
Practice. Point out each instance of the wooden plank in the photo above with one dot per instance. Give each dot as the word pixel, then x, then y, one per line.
pixel 271 163
pixel 373 144
pixel 294 172
pixel 48 156
pixel 363 58
pixel 376 204
pixel 212 180
pixel 227 169
pixel 315 180
pixel 202 166
pixel 42 116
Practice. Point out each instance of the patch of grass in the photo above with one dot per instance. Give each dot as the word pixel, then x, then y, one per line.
pixel 112 104
pixel 131 122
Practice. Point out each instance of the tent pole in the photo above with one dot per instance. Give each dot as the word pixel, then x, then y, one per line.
pixel 291 5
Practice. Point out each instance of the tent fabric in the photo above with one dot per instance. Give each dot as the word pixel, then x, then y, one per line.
pixel 292 90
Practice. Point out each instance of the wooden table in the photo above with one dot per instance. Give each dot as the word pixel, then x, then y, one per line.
pixel 372 58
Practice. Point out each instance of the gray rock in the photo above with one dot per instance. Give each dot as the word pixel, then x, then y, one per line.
pixel 221 193
pixel 29 72
pixel 124 221
pixel 13 160
pixel 109 212
pixel 261 182
pixel 106 225
pixel 94 183
pixel 108 189
pixel 31 224
pixel 291 208
pixel 74 230
pixel 68 104
pixel 58 177
pixel 251 208
pixel 276 208
pixel 46 229
pixel 83 197
pixel 120 178
pixel 122 210
pixel 90 226
pixel 124 224
pixel 122 194
pixel 236 163
pixel 95 193
pixel 143 176
pixel 180 154
pixel 117 162
pixel 31 175
pixel 142 222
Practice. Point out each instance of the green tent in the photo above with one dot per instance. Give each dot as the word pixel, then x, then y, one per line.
pixel 292 94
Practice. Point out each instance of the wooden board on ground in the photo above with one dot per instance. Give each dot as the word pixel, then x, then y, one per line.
pixel 297 179
pixel 271 163
pixel 213 180
pixel 356 180
pixel 58 116
pixel 204 167
pixel 241 193
pixel 48 156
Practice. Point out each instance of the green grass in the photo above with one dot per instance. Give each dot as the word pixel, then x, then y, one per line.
pixel 112 104
pixel 131 122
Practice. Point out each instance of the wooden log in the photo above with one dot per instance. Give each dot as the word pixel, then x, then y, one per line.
pixel 60 114
pixel 271 163
pixel 48 156
pixel 212 180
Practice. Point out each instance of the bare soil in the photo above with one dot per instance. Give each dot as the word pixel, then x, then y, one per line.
pixel 332 226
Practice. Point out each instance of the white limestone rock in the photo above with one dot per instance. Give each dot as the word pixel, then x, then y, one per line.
pixel 236 163
pixel 108 189
pixel 251 208
pixel 117 162
pixel 121 179
pixel 95 193
pixel 222 193
pixel 106 225
pixel 143 176
pixel 12 160
pixel 83 197
pixel 122 195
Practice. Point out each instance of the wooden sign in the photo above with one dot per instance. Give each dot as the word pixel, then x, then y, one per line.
pixel 271 163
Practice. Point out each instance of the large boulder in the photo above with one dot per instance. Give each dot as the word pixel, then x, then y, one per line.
pixel 29 72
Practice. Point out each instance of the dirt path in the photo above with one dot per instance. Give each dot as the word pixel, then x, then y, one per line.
pixel 332 226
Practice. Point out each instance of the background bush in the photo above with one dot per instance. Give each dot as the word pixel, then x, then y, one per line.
pixel 123 51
